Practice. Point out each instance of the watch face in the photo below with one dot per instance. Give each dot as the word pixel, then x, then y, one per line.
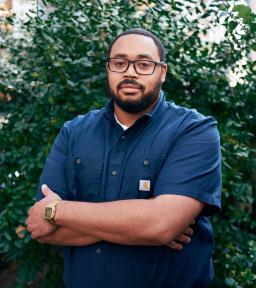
pixel 48 213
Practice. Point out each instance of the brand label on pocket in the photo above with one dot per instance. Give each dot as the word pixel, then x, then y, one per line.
pixel 144 185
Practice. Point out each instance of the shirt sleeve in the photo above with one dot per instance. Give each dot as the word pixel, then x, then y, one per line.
pixel 193 166
pixel 54 172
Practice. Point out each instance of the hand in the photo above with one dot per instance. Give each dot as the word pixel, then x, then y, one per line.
pixel 182 239
pixel 36 225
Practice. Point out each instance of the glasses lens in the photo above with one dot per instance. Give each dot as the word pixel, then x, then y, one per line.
pixel 144 67
pixel 118 65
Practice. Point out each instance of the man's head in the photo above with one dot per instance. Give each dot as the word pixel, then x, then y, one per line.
pixel 135 86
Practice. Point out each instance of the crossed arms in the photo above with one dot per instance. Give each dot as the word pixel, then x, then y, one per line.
pixel 132 222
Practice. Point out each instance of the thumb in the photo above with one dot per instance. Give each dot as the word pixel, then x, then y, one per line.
pixel 46 190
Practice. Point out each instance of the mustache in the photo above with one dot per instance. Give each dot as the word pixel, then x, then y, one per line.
pixel 132 82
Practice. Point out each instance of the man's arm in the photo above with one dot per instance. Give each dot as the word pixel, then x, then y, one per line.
pixel 132 222
pixel 68 237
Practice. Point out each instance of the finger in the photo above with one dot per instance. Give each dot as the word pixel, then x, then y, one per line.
pixel 41 240
pixel 27 222
pixel 46 190
pixel 174 245
pixel 30 210
pixel 29 228
pixel 188 231
pixel 183 238
pixel 34 235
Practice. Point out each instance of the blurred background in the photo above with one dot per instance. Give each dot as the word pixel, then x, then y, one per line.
pixel 52 59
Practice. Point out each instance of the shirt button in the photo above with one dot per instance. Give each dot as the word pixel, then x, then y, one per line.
pixel 123 137
pixel 114 173
pixel 98 251
pixel 145 162
pixel 78 160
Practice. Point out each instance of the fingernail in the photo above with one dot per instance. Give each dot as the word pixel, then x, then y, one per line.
pixel 44 186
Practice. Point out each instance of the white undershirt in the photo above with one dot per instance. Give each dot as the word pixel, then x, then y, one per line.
pixel 122 125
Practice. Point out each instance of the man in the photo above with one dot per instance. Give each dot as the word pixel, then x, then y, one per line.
pixel 132 177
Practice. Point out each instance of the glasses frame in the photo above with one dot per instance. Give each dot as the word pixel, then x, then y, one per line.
pixel 134 66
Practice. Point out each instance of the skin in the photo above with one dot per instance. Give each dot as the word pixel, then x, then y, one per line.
pixel 132 47
pixel 158 221
pixel 118 222
pixel 60 235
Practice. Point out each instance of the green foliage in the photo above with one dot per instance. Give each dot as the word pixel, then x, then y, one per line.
pixel 56 70
pixel 247 20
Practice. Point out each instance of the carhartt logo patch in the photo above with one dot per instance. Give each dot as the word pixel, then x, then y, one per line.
pixel 144 185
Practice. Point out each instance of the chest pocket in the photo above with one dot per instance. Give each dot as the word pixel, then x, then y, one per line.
pixel 139 178
pixel 84 178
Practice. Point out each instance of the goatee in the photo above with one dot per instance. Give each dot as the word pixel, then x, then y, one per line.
pixel 139 105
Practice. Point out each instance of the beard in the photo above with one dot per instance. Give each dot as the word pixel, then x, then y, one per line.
pixel 138 105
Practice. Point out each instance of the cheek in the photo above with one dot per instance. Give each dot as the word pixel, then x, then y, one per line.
pixel 114 80
pixel 150 83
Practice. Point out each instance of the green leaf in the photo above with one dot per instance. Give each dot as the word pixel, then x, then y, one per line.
pixel 232 25
pixel 7 236
pixel 242 10
pixel 245 13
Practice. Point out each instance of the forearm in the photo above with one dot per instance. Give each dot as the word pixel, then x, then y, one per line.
pixel 109 221
pixel 132 222
pixel 67 237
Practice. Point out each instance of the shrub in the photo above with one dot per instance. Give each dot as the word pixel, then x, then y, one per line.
pixel 56 71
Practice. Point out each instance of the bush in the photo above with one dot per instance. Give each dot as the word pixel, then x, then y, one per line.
pixel 56 71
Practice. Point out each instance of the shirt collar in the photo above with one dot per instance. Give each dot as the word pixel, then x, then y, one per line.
pixel 122 125
pixel 157 106
pixel 109 108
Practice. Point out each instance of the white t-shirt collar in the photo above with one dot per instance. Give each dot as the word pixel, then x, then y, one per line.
pixel 122 125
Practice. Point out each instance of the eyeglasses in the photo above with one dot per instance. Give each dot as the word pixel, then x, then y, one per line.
pixel 142 67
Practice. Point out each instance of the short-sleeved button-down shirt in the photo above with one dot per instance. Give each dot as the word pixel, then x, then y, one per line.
pixel 170 150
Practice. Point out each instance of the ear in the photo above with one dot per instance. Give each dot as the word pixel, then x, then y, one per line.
pixel 163 72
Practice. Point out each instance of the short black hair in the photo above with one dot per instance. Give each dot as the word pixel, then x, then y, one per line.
pixel 144 32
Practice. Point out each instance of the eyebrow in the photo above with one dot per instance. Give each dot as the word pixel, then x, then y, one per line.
pixel 140 56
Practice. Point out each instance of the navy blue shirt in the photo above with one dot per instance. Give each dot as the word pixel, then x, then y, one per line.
pixel 175 151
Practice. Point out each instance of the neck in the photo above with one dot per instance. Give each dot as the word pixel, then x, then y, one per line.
pixel 127 118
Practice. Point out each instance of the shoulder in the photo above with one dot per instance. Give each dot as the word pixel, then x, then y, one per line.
pixel 191 122
pixel 81 121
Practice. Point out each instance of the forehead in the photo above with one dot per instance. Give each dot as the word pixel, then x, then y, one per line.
pixel 133 46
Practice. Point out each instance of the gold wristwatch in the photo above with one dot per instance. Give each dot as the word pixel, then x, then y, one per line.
pixel 50 211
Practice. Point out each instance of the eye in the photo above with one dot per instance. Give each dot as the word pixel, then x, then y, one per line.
pixel 119 62
pixel 144 65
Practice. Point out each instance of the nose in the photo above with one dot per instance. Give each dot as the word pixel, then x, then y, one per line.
pixel 130 72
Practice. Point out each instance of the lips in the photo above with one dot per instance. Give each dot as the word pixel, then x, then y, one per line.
pixel 130 86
